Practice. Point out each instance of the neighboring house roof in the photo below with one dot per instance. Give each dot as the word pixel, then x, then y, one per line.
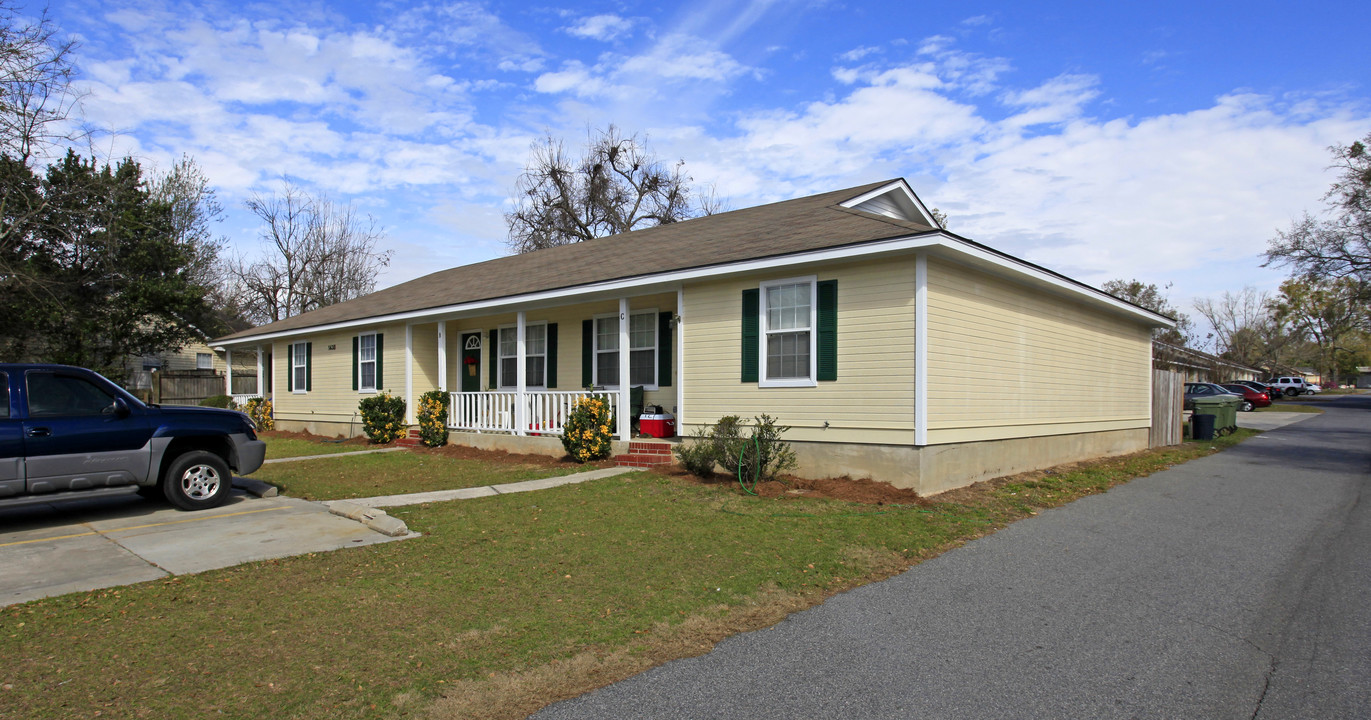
pixel 850 218
pixel 1190 357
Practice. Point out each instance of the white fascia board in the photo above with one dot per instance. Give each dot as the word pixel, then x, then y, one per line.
pixel 932 239
pixel 888 187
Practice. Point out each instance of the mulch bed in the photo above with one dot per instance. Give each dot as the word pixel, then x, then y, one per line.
pixel 859 490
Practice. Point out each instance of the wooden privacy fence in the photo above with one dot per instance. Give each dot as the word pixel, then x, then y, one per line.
pixel 183 388
pixel 1168 401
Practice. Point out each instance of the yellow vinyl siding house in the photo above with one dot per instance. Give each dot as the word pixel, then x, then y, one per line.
pixel 892 348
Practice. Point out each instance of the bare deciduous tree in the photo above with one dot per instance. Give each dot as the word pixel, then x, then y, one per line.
pixel 1245 328
pixel 615 187
pixel 36 96
pixel 317 253
pixel 1340 244
pixel 194 209
pixel 36 99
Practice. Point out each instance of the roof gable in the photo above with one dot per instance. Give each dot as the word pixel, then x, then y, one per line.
pixel 896 200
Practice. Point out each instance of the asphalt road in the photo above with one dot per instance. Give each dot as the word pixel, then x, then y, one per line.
pixel 1235 586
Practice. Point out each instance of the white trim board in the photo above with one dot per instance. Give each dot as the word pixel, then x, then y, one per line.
pixel 661 282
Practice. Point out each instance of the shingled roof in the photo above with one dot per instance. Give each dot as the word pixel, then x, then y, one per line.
pixel 782 228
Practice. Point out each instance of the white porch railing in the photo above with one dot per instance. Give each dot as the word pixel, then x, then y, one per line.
pixel 241 400
pixel 545 411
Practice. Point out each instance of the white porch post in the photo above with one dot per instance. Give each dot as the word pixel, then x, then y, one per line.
pixel 625 410
pixel 921 349
pixel 680 358
pixel 409 374
pixel 228 371
pixel 521 383
pixel 442 355
pixel 274 384
pixel 261 386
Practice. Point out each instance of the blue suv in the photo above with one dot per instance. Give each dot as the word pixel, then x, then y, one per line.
pixel 69 432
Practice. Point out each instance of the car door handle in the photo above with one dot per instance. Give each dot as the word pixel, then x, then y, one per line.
pixel 40 432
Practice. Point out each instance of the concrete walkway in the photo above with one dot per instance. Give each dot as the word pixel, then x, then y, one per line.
pixel 87 544
pixel 331 455
pixel 76 545
pixel 1271 420
pixel 486 491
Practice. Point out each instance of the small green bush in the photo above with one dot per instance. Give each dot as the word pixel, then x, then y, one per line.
pixel 759 456
pixel 217 401
pixel 259 409
pixel 383 417
pixel 763 456
pixel 432 415
pixel 698 456
pixel 587 433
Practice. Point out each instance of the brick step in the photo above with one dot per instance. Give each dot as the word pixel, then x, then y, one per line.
pixel 642 461
pixel 649 448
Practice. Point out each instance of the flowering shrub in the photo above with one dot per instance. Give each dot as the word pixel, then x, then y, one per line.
pixel 259 409
pixel 383 417
pixel 587 433
pixel 432 414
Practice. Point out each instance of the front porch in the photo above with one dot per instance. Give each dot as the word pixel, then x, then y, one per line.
pixel 524 413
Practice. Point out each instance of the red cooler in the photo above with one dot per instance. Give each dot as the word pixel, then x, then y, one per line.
pixel 657 425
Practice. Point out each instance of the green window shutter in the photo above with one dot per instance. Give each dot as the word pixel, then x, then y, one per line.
pixel 587 353
pixel 664 359
pixel 495 359
pixel 380 359
pixel 828 330
pixel 290 367
pixel 355 353
pixel 751 306
pixel 309 365
pixel 550 366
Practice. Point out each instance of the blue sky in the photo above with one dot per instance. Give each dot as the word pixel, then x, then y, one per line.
pixel 1162 141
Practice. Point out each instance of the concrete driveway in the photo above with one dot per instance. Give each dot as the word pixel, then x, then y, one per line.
pixel 54 549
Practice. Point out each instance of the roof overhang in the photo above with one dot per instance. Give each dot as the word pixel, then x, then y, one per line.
pixel 941 243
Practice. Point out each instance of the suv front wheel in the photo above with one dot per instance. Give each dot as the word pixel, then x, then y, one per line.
pixel 197 480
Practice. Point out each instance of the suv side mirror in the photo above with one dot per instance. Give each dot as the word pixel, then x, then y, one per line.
pixel 121 408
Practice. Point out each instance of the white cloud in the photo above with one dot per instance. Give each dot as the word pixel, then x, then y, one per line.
pixel 1190 196
pixel 673 60
pixel 600 27
pixel 856 54
pixel 1060 99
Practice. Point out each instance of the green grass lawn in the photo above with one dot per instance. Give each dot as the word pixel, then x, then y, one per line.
pixel 404 471
pixel 505 604
pixel 285 447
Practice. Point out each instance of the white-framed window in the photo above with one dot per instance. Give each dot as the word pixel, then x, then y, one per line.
pixel 204 361
pixel 299 367
pixel 366 362
pixel 642 350
pixel 788 339
pixel 535 355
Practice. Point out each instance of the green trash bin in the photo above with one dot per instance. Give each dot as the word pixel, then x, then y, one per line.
pixel 1224 408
